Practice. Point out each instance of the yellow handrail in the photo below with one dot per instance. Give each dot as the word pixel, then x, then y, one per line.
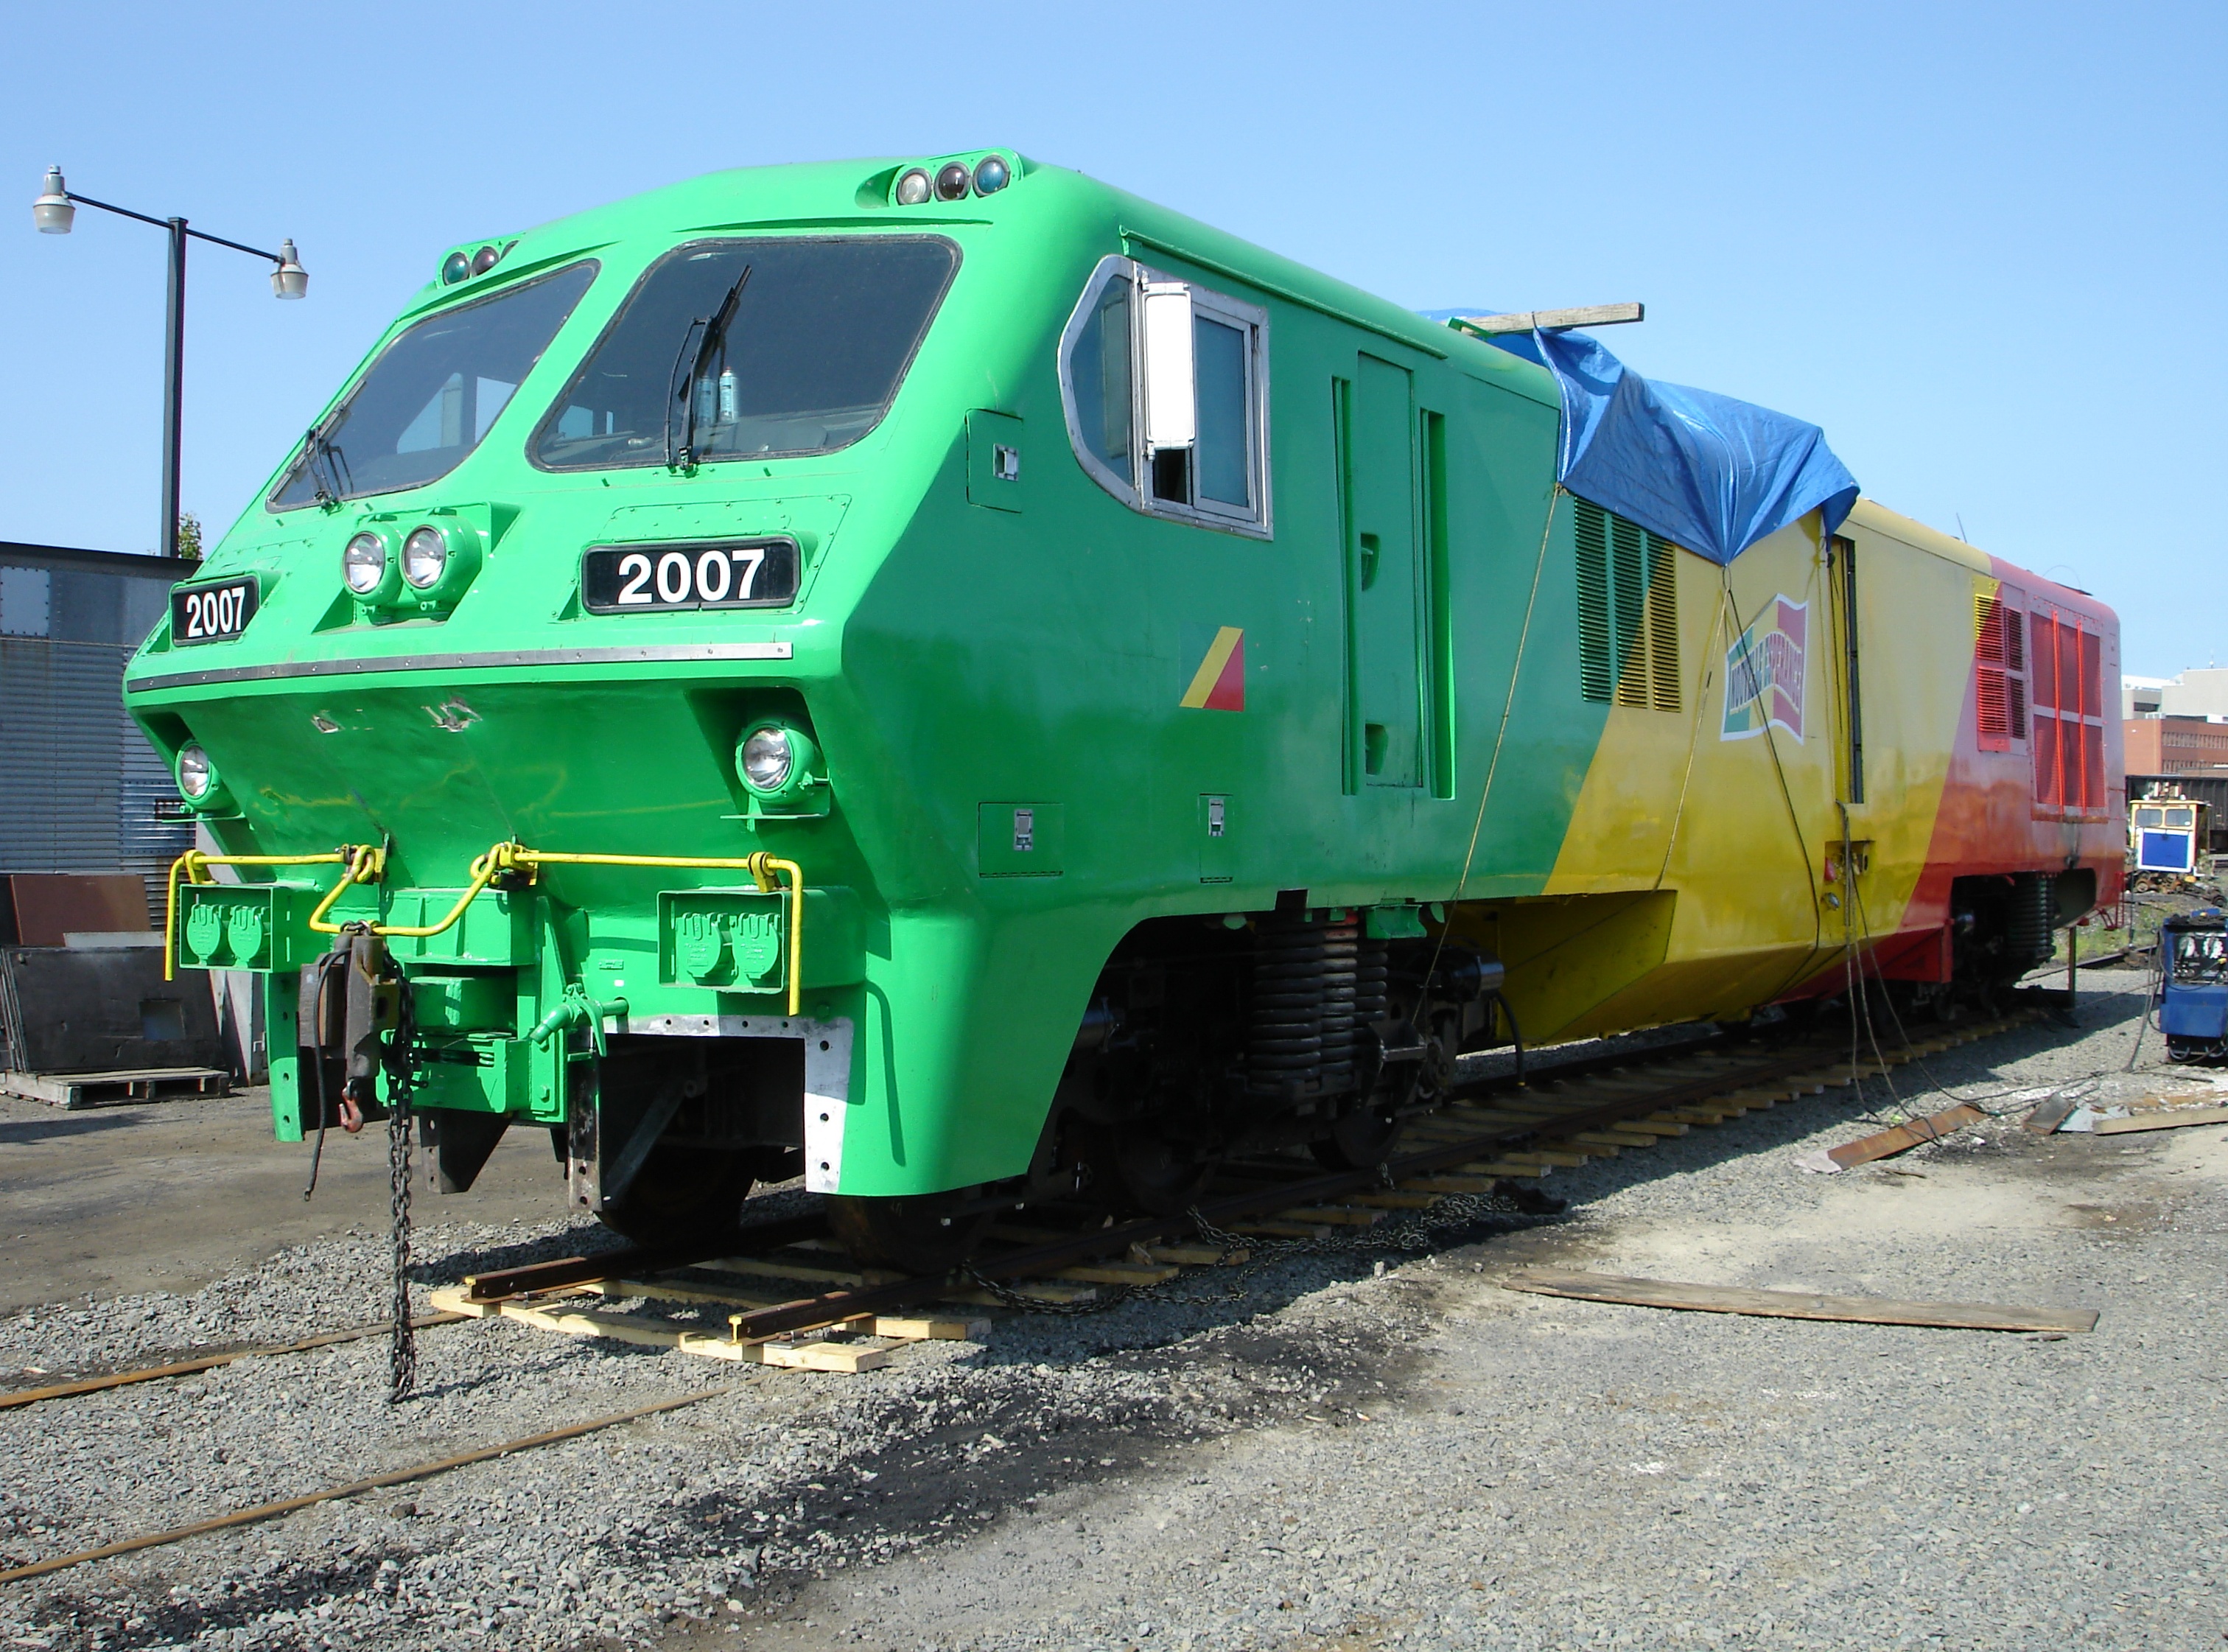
pixel 194 864
pixel 367 864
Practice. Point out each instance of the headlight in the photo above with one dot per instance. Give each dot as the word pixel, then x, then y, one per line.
pixel 363 564
pixel 951 182
pixel 425 557
pixel 455 268
pixel 197 774
pixel 991 174
pixel 913 188
pixel 767 757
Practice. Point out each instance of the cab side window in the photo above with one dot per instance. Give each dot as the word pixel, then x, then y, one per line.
pixel 1165 385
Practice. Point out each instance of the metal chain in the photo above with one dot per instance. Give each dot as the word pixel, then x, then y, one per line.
pixel 1402 1234
pixel 402 1081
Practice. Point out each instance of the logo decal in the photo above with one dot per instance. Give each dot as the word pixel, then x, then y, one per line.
pixel 1220 682
pixel 1763 673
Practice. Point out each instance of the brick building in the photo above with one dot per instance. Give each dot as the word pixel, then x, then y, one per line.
pixel 2171 745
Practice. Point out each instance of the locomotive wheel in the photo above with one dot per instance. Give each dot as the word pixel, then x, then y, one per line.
pixel 917 1234
pixel 1359 1140
pixel 1159 1180
pixel 682 1195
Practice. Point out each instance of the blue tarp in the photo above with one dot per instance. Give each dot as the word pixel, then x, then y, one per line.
pixel 1704 471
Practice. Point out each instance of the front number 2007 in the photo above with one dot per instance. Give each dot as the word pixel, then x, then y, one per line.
pixel 617 578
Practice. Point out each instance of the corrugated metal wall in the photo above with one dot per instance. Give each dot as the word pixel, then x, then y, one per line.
pixel 62 761
pixel 80 789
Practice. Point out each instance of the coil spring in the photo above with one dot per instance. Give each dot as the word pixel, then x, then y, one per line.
pixel 1371 991
pixel 2029 924
pixel 1300 1038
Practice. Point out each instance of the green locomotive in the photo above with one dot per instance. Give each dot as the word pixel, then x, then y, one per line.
pixel 865 671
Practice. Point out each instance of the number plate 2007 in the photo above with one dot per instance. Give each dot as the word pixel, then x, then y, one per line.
pixel 727 574
pixel 212 613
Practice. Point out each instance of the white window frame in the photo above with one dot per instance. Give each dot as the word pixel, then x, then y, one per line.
pixel 1254 522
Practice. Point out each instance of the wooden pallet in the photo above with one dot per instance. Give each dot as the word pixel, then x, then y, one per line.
pixel 865 1344
pixel 75 1090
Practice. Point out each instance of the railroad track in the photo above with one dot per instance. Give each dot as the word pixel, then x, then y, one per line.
pixel 1496 1138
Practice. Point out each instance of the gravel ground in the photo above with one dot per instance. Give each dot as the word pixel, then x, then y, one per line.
pixel 1362 1453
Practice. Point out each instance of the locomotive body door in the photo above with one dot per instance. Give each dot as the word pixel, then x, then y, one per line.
pixel 1384 572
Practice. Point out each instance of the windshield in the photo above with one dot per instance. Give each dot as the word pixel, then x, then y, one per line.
pixel 432 393
pixel 743 348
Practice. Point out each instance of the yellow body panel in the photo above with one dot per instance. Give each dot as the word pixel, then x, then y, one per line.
pixel 1738 835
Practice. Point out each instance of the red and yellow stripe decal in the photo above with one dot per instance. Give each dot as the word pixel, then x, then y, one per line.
pixel 1220 682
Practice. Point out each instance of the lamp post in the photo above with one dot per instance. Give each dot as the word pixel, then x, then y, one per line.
pixel 55 210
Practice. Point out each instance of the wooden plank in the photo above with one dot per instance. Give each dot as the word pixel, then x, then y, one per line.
pixel 456 1299
pixel 1558 1161
pixel 849 1358
pixel 810 1273
pixel 1659 1124
pixel 1274 1229
pixel 1889 1143
pixel 1396 1200
pixel 1525 321
pixel 1339 1215
pixel 2173 1119
pixel 661 1291
pixel 1613 1139
pixel 1449 1184
pixel 73 1091
pixel 1504 1168
pixel 1794 1304
pixel 639 1329
pixel 2046 1119
pixel 1493 1120
pixel 932 1330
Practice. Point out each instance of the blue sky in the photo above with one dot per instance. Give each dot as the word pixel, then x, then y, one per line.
pixel 1982 245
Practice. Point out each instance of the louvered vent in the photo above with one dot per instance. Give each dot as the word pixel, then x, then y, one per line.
pixel 1628 612
pixel 1595 674
pixel 1992 696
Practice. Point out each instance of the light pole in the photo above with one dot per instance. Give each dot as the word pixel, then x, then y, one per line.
pixel 54 211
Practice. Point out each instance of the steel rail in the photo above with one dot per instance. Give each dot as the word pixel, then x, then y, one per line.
pixel 634 1261
pixel 837 1305
pixel 834 1307
pixel 353 1489
pixel 211 1361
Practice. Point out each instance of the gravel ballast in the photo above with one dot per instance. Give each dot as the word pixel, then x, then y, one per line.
pixel 1364 1451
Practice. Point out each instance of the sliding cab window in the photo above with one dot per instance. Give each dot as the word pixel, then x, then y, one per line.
pixel 1165 387
pixel 432 393
pixel 764 347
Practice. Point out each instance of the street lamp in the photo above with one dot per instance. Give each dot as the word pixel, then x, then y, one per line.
pixel 55 210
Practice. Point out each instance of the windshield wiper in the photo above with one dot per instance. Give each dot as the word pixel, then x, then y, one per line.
pixel 317 446
pixel 714 329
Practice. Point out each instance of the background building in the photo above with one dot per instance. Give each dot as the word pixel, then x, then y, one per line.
pixel 2199 692
pixel 80 789
pixel 2169 745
